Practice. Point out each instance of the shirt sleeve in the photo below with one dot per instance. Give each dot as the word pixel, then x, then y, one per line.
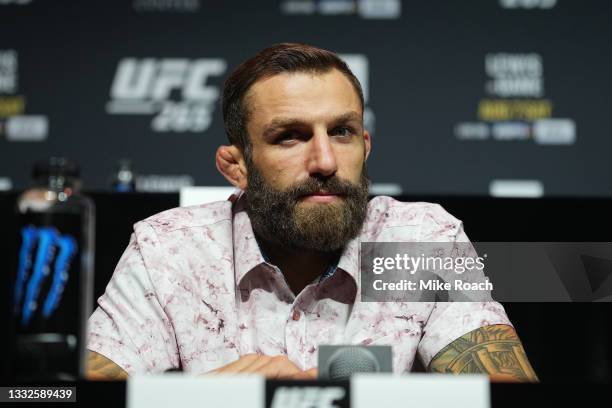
pixel 450 320
pixel 129 325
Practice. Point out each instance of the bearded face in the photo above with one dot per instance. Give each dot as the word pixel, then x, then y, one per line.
pixel 283 217
pixel 304 170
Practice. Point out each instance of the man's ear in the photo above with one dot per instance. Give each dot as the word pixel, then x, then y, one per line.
pixel 368 143
pixel 230 163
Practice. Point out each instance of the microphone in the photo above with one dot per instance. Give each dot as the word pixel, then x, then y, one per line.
pixel 340 362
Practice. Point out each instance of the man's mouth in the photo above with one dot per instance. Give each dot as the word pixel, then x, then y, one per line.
pixel 320 197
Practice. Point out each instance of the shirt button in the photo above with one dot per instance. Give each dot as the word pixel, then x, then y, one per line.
pixel 296 315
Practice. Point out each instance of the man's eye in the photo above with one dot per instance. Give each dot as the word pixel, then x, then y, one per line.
pixel 287 137
pixel 343 131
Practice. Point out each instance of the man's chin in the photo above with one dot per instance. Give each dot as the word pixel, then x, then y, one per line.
pixel 321 210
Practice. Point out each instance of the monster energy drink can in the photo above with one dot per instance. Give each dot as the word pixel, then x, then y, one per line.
pixel 53 278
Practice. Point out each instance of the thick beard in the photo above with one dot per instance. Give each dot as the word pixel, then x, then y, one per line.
pixel 281 218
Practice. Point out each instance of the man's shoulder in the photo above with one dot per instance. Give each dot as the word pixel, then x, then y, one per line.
pixel 397 221
pixel 189 217
pixel 392 212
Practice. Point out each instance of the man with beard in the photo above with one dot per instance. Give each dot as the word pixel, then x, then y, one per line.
pixel 257 283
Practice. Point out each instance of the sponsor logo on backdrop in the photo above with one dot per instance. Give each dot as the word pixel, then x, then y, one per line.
pixel 14 2
pixel 178 93
pixel 15 125
pixel 163 183
pixel 515 107
pixel 8 71
pixel 528 4
pixel 157 6
pixel 367 9
pixel 360 66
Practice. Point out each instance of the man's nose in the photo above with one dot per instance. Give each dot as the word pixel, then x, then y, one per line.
pixel 322 158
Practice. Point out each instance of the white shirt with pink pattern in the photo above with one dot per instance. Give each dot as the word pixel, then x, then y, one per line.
pixel 193 290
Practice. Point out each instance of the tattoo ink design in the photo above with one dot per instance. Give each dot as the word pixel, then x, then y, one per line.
pixel 495 350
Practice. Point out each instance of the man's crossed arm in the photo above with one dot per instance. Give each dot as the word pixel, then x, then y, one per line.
pixel 495 350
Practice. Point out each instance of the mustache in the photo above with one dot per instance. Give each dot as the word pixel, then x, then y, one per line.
pixel 331 185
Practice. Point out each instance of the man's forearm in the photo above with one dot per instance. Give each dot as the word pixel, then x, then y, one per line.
pixel 101 368
pixel 495 350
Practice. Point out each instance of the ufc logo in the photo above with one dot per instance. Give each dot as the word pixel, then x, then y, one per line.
pixel 307 397
pixel 156 79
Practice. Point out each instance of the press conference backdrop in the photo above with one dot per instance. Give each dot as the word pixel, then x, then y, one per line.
pixel 460 96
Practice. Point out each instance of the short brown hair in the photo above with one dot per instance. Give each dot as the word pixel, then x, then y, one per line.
pixel 277 59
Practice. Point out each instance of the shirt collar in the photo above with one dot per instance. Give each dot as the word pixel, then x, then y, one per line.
pixel 247 254
pixel 246 251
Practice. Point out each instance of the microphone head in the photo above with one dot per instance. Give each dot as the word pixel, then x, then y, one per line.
pixel 339 362
pixel 349 360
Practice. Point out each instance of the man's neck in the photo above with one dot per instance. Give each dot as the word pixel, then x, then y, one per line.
pixel 300 267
